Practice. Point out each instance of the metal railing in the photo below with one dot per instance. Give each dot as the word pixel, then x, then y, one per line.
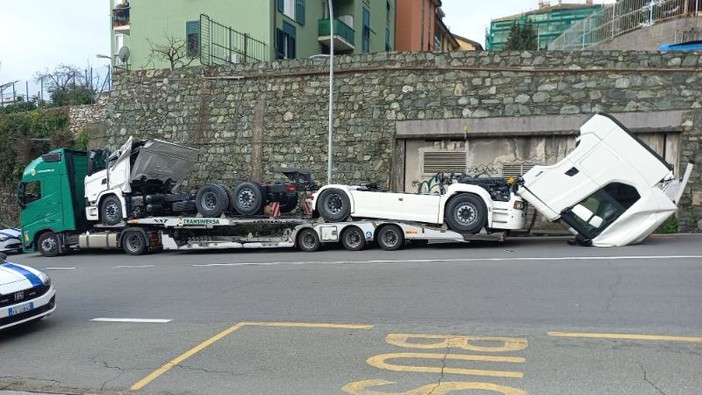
pixel 622 17
pixel 341 29
pixel 221 44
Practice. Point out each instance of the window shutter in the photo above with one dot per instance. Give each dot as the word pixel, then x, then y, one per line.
pixel 300 11
pixel 281 6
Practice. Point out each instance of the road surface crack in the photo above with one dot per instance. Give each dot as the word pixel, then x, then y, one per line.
pixel 649 381
pixel 441 377
pixel 613 289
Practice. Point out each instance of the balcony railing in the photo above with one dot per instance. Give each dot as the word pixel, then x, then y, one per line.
pixel 344 35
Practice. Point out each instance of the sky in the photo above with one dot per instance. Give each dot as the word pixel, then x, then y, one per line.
pixel 38 35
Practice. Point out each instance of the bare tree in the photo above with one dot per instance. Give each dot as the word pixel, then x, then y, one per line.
pixel 173 51
pixel 68 85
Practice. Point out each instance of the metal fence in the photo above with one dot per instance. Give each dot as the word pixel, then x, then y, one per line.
pixel 96 80
pixel 220 44
pixel 622 17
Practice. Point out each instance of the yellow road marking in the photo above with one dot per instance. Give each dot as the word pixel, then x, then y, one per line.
pixel 378 361
pixel 626 336
pixel 181 358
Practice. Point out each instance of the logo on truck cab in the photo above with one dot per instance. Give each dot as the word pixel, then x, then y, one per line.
pixel 200 221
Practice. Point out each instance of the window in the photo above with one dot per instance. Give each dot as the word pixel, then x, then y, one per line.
pixel 387 12
pixel 28 192
pixel 598 211
pixel 192 38
pixel 285 42
pixel 325 10
pixel 365 45
pixel 293 9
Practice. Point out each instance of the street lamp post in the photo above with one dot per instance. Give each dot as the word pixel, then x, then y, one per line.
pixel 331 90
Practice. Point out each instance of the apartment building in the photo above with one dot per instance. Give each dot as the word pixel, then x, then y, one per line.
pixel 550 21
pixel 215 32
pixel 420 27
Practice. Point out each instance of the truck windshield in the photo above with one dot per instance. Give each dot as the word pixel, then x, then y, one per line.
pixel 598 211
pixel 28 192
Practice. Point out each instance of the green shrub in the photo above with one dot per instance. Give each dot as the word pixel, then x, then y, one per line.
pixel 669 226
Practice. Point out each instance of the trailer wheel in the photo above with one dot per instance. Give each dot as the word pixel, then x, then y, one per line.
pixel 48 244
pixel 134 242
pixel 334 205
pixel 390 238
pixel 111 211
pixel 308 240
pixel 248 198
pixel 211 200
pixel 353 239
pixel 466 213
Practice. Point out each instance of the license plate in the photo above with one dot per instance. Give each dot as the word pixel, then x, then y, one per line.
pixel 21 308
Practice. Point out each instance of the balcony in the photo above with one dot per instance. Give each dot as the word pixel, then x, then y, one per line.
pixel 120 19
pixel 343 35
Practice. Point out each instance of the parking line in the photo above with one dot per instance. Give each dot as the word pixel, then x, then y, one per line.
pixel 59 268
pixel 137 320
pixel 132 267
pixel 181 358
pixel 627 336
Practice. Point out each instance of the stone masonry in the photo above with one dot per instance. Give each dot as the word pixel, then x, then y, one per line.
pixel 247 118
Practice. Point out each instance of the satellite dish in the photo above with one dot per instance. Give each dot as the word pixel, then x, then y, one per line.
pixel 123 54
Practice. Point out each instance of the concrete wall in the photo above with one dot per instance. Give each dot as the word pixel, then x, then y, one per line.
pixel 650 38
pixel 247 118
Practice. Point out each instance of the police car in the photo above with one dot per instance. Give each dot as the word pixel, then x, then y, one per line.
pixel 26 294
pixel 10 239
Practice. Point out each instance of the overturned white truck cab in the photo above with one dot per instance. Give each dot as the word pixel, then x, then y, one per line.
pixel 611 190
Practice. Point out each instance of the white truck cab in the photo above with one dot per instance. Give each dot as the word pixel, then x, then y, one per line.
pixel 611 190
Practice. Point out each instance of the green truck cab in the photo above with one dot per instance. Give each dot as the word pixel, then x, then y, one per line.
pixel 50 196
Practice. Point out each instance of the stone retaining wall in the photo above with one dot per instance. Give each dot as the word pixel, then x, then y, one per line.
pixel 246 118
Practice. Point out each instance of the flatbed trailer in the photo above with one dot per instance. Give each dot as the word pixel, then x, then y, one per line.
pixel 196 233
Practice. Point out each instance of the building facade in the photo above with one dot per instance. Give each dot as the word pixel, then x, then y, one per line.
pixel 151 33
pixel 550 21
pixel 420 27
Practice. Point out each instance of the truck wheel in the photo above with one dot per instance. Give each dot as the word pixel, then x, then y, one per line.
pixel 111 211
pixel 248 198
pixel 353 239
pixel 308 240
pixel 134 242
pixel 334 205
pixel 211 200
pixel 48 244
pixel 466 213
pixel 390 238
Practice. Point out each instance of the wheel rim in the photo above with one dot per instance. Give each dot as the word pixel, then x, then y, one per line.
pixel 208 200
pixel 133 242
pixel 307 240
pixel 353 238
pixel 390 238
pixel 49 245
pixel 246 198
pixel 112 212
pixel 466 214
pixel 334 203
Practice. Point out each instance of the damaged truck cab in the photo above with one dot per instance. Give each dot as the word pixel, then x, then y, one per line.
pixel 611 190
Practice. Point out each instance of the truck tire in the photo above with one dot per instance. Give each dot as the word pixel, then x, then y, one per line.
pixel 353 239
pixel 134 242
pixel 249 198
pixel 308 240
pixel 334 205
pixel 48 244
pixel 466 213
pixel 111 211
pixel 212 200
pixel 390 238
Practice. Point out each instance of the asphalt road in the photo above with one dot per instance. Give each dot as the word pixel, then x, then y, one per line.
pixel 532 316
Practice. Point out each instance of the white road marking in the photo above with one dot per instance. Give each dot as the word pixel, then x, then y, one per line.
pixel 395 261
pixel 132 267
pixel 137 320
pixel 59 268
